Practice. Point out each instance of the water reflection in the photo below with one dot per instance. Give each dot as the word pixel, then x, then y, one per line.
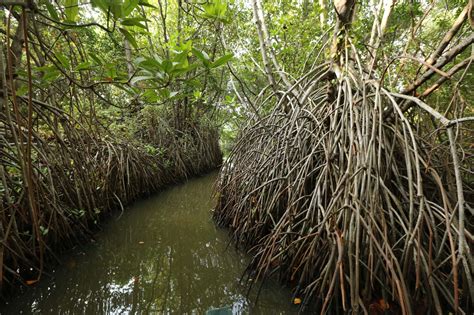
pixel 164 255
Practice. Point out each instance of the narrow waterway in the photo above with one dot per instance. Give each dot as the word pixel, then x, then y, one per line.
pixel 162 255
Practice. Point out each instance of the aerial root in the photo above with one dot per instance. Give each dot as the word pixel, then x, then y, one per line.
pixel 354 210
pixel 79 176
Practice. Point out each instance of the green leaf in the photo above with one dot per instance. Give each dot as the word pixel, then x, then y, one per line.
pixel 133 22
pixel 43 68
pixel 43 230
pixel 129 6
pixel 22 90
pixel 209 9
pixel 150 64
pixel 50 73
pixel 111 70
pixel 83 66
pixel 71 8
pixel 140 78
pixel 52 11
pixel 116 8
pixel 178 71
pixel 96 58
pixel 146 4
pixel 164 92
pixel 101 4
pixel 173 94
pixel 63 60
pixel 222 60
pixel 181 57
pixel 150 96
pixel 167 66
pixel 216 9
pixel 129 37
pixel 203 56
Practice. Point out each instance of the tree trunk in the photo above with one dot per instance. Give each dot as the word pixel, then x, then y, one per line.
pixel 263 45
pixel 128 57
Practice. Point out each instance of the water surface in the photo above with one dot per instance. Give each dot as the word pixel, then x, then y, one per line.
pixel 162 255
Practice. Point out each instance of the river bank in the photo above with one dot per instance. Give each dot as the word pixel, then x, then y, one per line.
pixel 78 179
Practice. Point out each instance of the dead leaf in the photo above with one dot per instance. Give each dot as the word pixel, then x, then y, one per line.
pixel 296 301
pixel 31 282
pixel 384 305
pixel 378 307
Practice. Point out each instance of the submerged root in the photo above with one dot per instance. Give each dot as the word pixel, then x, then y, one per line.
pixel 338 194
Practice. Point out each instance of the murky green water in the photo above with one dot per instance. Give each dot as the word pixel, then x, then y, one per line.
pixel 163 255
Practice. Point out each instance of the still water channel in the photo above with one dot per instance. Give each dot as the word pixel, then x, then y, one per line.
pixel 162 255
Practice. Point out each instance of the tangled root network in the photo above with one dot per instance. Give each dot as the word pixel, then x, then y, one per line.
pixel 336 193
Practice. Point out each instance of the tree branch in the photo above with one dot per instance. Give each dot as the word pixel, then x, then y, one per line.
pixel 442 61
pixel 263 45
pixel 449 36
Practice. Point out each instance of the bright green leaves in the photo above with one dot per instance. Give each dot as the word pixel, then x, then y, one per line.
pixel 163 70
pixel 216 9
pixel 83 66
pixel 178 63
pixel 96 58
pixel 113 7
pixel 51 10
pixel 128 6
pixel 150 96
pixel 206 60
pixel 182 62
pixel 22 90
pixel 146 4
pixel 119 9
pixel 150 69
pixel 167 94
pixel 46 75
pixel 136 21
pixel 129 37
pixel 71 9
pixel 203 56
pixel 130 24
pixel 174 70
pixel 154 68
pixel 222 60
pixel 116 9
pixel 111 73
pixel 103 5
pixel 63 60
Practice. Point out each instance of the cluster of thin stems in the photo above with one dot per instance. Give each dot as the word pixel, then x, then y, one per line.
pixel 76 177
pixel 337 193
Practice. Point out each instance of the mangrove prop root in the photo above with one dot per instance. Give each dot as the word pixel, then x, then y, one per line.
pixel 351 208
pixel 77 177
